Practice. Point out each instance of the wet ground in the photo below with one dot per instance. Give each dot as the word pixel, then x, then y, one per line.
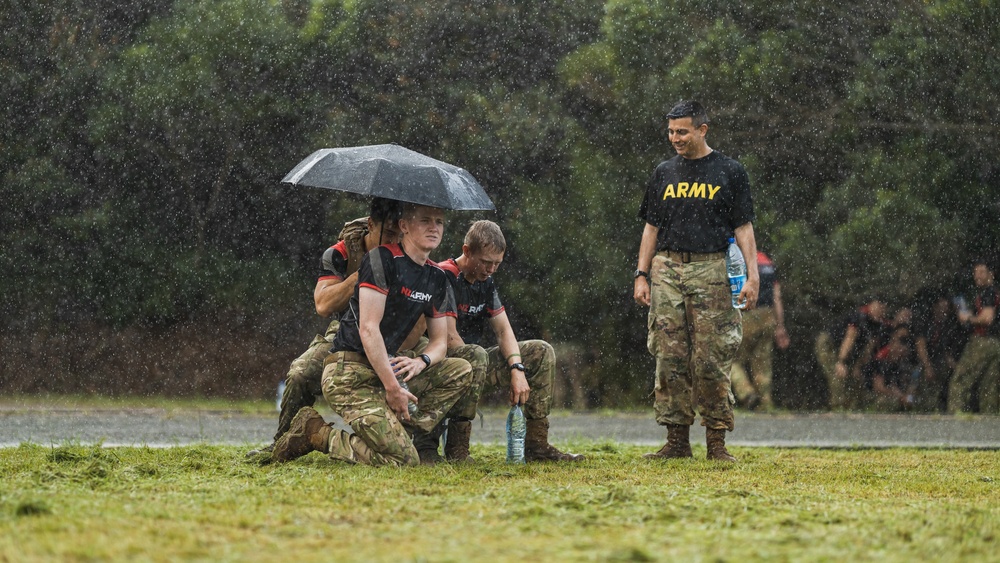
pixel 163 427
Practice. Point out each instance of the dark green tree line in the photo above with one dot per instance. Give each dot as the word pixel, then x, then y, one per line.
pixel 146 140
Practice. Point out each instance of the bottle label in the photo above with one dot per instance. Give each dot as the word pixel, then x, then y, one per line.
pixel 736 284
pixel 735 287
pixel 516 427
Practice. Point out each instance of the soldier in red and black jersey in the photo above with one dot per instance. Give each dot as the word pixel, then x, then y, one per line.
pixel 526 368
pixel 979 366
pixel 334 287
pixel 363 377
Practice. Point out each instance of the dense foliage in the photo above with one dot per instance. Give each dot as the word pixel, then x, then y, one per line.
pixel 144 142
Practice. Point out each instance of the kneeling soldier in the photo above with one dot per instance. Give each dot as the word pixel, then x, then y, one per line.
pixel 529 377
pixel 397 285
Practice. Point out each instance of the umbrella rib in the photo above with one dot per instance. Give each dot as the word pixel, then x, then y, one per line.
pixel 302 172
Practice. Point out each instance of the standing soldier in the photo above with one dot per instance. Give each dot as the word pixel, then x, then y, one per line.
pixel 694 203
pixel 526 367
pixel 362 377
pixel 763 327
pixel 979 365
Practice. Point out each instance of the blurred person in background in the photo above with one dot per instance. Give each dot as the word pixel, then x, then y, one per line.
pixel 939 341
pixel 979 366
pixel 844 349
pixel 763 327
pixel 890 375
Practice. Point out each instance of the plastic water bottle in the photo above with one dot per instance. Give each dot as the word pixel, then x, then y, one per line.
pixel 517 428
pixel 962 305
pixel 281 393
pixel 411 407
pixel 736 267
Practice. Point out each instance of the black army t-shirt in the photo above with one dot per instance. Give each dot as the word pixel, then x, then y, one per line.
pixel 476 302
pixel 410 289
pixel 697 204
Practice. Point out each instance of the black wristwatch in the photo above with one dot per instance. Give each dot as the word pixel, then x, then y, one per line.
pixel 641 273
pixel 518 366
pixel 426 359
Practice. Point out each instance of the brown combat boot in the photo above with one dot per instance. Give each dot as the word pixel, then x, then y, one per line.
pixel 537 446
pixel 678 443
pixel 308 433
pixel 427 445
pixel 716 440
pixel 456 446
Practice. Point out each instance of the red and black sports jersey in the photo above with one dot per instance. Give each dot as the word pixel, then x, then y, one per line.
pixel 768 277
pixel 986 297
pixel 411 290
pixel 334 262
pixel 697 204
pixel 476 302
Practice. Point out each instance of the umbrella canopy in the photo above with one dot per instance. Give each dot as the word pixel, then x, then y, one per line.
pixel 392 172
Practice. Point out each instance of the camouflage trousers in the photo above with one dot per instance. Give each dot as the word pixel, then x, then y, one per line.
pixel 694 331
pixel 355 392
pixel 304 379
pixel 979 367
pixel 932 394
pixel 751 373
pixel 490 368
pixel 845 392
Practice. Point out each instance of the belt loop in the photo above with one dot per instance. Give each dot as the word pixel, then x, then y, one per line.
pixel 686 257
pixel 331 359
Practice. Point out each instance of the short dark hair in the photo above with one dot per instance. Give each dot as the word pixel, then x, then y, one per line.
pixel 689 108
pixel 383 210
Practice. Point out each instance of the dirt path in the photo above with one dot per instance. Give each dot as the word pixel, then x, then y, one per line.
pixel 161 427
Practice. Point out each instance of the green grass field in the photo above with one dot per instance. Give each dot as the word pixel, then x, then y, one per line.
pixel 84 503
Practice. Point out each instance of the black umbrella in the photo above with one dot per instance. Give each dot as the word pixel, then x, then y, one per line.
pixel 392 172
